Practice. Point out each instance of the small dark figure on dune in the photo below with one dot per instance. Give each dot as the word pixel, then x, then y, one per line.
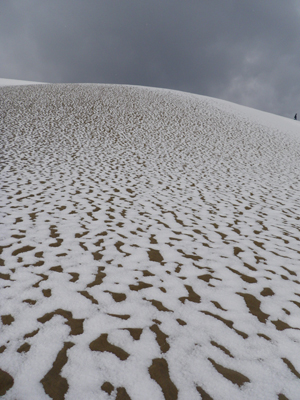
pixel 295 117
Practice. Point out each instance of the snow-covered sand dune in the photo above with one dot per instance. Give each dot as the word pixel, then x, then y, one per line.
pixel 150 246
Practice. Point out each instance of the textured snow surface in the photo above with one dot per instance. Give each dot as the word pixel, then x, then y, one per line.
pixel 149 246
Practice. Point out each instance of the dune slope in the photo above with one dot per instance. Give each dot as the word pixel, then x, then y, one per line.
pixel 149 246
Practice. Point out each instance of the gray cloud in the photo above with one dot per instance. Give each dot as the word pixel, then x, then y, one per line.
pixel 246 52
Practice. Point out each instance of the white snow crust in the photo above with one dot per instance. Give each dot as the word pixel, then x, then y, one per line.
pixel 16 82
pixel 149 246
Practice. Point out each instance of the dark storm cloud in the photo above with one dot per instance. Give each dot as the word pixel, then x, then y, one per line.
pixel 242 51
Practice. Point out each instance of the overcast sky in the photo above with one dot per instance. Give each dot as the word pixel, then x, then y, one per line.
pixel 243 51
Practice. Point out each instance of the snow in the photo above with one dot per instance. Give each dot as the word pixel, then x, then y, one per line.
pixel 150 246
pixel 14 82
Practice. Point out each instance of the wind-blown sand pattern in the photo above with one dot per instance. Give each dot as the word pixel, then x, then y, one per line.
pixel 149 246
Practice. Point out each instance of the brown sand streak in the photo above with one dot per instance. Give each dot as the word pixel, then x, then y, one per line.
pixel 159 372
pixel 234 376
pixel 54 384
pixel 102 344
